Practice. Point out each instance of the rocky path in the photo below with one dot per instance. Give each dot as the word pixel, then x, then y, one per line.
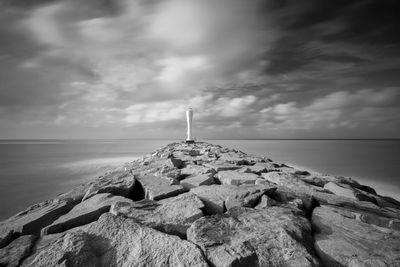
pixel 205 205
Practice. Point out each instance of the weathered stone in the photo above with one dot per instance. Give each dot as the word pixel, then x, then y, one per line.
pixel 290 180
pixel 198 180
pixel 247 197
pixel 217 198
pixel 171 162
pixel 36 217
pixel 261 181
pixel 250 237
pixel 156 188
pixel 5 235
pixel 118 183
pixel 221 166
pixel 116 241
pixel 196 170
pixel 16 251
pixel 86 212
pixel 341 240
pixel 76 248
pixel 260 167
pixel 172 215
pixel 340 191
pixel 75 195
pixel 236 158
pixel 286 195
pixel 348 191
pixel 314 180
pixel 236 178
pixel 168 172
pixel 266 202
pixel 371 218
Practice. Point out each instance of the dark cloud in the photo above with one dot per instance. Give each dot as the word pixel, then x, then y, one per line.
pixel 276 67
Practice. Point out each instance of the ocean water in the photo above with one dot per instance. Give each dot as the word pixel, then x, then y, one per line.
pixel 32 171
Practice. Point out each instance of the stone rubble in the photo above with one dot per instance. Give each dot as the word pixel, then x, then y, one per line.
pixel 205 205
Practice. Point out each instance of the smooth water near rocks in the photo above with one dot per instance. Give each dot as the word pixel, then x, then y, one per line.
pixel 32 171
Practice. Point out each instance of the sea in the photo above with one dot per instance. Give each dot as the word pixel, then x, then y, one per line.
pixel 35 170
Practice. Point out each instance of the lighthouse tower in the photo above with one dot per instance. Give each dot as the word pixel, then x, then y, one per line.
pixel 189 119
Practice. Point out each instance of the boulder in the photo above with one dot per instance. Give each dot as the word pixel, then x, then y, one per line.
pixel 85 212
pixel 32 220
pixel 236 178
pixel 221 166
pixel 5 235
pixel 342 240
pixel 346 190
pixel 198 180
pixel 236 158
pixel 157 188
pixel 169 173
pixel 172 215
pixel 75 195
pixel 260 167
pixel 166 163
pixel 16 251
pixel 115 241
pixel 247 196
pixel 217 198
pixel 118 183
pixel 238 238
pixel 266 202
pixel 340 191
pixel 261 181
pixel 173 162
pixel 285 195
pixel 290 180
pixel 193 170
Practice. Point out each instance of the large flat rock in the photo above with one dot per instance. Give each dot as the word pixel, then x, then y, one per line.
pixel 249 237
pixel 172 215
pixel 157 188
pixel 217 198
pixel 219 165
pixel 16 251
pixel 84 213
pixel 347 191
pixel 118 182
pixel 115 241
pixel 198 180
pixel 290 180
pixel 236 178
pixel 343 240
pixel 193 170
pixel 32 220
pixel 261 167
pixel 76 194
pixel 237 158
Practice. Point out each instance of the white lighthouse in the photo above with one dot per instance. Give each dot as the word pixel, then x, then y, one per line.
pixel 189 118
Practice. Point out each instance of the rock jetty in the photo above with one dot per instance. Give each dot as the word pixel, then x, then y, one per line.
pixel 199 204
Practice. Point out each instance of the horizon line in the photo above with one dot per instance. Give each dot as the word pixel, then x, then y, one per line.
pixel 203 139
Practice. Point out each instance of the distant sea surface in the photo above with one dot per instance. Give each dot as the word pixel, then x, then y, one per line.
pixel 32 171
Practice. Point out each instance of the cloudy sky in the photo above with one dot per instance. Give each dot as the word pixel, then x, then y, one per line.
pixel 249 69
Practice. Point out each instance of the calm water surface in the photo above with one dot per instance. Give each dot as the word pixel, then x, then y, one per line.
pixel 33 171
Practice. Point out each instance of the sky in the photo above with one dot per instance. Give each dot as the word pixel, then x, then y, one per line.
pixel 249 69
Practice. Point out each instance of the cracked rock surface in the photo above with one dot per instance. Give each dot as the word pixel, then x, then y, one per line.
pixel 201 204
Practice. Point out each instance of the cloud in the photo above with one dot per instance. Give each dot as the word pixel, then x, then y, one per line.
pixel 343 109
pixel 261 68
